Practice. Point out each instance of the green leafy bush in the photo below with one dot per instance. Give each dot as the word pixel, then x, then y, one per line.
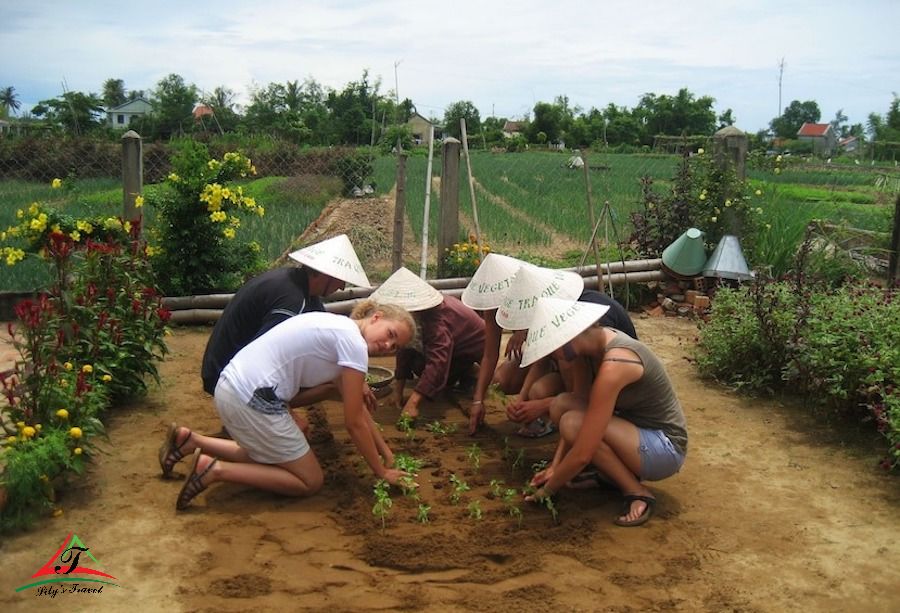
pixel 195 245
pixel 839 348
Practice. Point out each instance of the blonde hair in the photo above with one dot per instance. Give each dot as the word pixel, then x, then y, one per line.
pixel 392 312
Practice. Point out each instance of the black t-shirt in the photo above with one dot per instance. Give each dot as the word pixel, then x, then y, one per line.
pixel 616 317
pixel 263 302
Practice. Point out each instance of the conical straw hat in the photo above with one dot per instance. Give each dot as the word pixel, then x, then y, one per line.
pixel 727 261
pixel 489 283
pixel 530 284
pixel 555 322
pixel 686 255
pixel 336 258
pixel 405 288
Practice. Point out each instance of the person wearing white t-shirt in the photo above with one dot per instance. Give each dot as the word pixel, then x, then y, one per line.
pixel 259 385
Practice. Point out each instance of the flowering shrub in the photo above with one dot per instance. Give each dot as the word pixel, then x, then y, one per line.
pixel 705 195
pixel 462 259
pixel 196 249
pixel 89 340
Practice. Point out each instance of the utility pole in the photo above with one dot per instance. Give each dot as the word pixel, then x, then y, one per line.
pixel 780 75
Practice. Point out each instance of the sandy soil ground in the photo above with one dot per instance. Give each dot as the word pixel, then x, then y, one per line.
pixel 770 513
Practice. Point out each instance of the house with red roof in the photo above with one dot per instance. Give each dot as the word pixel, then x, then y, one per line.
pixel 821 135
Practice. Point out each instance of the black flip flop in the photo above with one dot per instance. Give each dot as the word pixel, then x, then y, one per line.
pixel 626 508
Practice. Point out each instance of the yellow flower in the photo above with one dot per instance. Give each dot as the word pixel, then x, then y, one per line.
pixel 75 432
pixel 10 439
pixel 63 383
pixel 703 196
pixel 759 192
pixel 77 451
pixel 62 414
pixel 174 178
pixel 777 171
pixel 106 378
pixel 727 202
pixel 768 226
pixel 28 432
pixel 758 211
pixel 778 159
pixel 56 183
pixel 38 427
pixel 713 219
pixel 20 424
pixel 138 202
pixel 75 235
pixel 68 365
pixel 700 151
pixel 87 368
pixel 228 233
pixel 127 226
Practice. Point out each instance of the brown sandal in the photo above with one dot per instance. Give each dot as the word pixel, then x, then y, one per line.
pixel 193 483
pixel 170 451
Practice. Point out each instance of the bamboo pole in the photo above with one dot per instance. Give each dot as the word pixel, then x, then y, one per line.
pixel 465 143
pixel 219 301
pixel 590 203
pixel 424 267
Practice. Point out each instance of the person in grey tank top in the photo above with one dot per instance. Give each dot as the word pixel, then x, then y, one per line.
pixel 630 426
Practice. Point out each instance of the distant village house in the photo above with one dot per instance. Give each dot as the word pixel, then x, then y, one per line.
pixel 121 116
pixel 420 128
pixel 821 135
pixel 513 128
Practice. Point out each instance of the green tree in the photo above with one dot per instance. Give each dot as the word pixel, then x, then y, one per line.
pixel 675 115
pixel 839 124
pixel 9 100
pixel 173 105
pixel 351 111
pixel 726 119
pixel 550 119
pixel 74 112
pixel 222 103
pixel 794 116
pixel 621 126
pixel 462 109
pixel 114 93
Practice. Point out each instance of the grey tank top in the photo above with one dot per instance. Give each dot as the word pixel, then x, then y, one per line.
pixel 650 402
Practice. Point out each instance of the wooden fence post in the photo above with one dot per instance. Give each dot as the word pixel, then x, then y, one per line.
pixel 399 212
pixel 449 226
pixel 895 245
pixel 132 174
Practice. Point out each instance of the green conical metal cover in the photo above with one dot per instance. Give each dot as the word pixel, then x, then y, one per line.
pixel 687 255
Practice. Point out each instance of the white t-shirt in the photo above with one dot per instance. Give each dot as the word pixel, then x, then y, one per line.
pixel 300 352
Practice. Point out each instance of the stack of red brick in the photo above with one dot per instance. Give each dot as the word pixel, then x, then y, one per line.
pixel 679 298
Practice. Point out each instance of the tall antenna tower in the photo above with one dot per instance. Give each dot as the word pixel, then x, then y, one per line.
pixel 780 75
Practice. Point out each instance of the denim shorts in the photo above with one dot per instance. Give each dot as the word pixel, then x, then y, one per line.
pixel 659 457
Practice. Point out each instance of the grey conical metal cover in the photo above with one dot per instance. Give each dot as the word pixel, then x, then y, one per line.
pixel 727 261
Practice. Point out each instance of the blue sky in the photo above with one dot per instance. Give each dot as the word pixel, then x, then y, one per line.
pixel 502 56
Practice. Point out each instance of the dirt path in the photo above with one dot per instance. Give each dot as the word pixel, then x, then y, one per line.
pixel 767 515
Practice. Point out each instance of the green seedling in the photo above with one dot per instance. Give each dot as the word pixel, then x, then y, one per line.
pixel 407 463
pixel 475 510
pixel 496 488
pixel 511 500
pixel 439 429
pixel 459 488
pixel 518 459
pixel 409 487
pixel 539 466
pixel 383 502
pixel 422 515
pixel 474 454
pixel 405 424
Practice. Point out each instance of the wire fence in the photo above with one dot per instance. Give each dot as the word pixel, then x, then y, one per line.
pixel 538 202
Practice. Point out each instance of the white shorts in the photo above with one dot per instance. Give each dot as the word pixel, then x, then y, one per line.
pixel 267 438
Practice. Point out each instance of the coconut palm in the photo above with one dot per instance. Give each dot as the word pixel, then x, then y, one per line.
pixel 9 100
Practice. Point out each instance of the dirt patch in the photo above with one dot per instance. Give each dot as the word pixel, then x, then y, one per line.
pixel 768 514
pixel 771 511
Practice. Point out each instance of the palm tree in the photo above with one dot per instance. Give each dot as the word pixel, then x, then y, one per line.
pixel 9 99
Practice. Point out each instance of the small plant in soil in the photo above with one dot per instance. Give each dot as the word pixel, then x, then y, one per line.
pixel 475 511
pixel 439 429
pixel 405 425
pixel 473 452
pixel 383 502
pixel 459 488
pixel 422 514
pixel 518 459
pixel 496 486
pixel 546 501
pixel 407 463
pixel 539 466
pixel 409 488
